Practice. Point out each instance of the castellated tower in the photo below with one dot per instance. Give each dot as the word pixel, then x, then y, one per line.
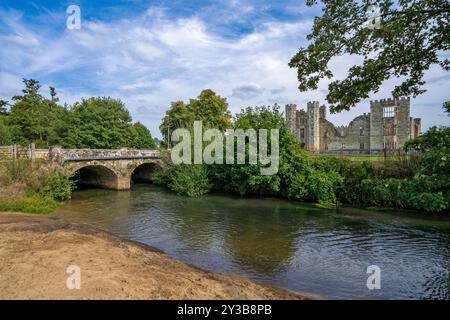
pixel 390 123
pixel 403 124
pixel 323 112
pixel 387 127
pixel 291 111
pixel 313 129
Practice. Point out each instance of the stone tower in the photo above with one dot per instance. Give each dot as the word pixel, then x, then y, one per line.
pixel 390 123
pixel 313 129
pixel 291 111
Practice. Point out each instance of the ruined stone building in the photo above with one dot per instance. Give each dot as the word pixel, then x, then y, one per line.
pixel 387 127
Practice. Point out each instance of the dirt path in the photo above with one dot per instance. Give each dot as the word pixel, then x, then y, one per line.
pixel 35 252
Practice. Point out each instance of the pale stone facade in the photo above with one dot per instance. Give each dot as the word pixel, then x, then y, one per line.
pixel 109 169
pixel 387 127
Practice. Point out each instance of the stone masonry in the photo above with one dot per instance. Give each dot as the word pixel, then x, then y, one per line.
pixel 110 169
pixel 387 127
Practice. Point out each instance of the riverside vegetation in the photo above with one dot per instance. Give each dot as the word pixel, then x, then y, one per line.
pixel 420 181
pixel 35 187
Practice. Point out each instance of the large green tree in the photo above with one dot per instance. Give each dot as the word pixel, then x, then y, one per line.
pixel 33 118
pixel 98 123
pixel 208 107
pixel 104 123
pixel 407 40
pixel 141 138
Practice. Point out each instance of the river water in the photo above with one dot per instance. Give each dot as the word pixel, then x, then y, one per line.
pixel 282 243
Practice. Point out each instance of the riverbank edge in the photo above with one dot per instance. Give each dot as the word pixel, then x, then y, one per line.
pixel 38 243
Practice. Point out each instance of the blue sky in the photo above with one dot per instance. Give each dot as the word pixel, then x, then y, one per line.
pixel 149 53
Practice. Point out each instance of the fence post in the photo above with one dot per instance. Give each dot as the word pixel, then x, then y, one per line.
pixel 32 151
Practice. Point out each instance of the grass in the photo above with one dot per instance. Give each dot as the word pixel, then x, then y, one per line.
pixel 33 187
pixel 366 157
pixel 30 204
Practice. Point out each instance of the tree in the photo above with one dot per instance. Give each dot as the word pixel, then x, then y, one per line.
pixel 212 109
pixel 434 139
pixel 33 118
pixel 53 94
pixel 447 107
pixel 3 110
pixel 408 40
pixel 208 107
pixel 98 123
pixel 5 134
pixel 178 116
pixel 141 137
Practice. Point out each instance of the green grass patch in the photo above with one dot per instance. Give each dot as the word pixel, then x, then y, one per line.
pixel 32 203
pixel 367 157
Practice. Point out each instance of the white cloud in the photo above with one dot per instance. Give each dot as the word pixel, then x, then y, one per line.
pixel 247 91
pixel 152 60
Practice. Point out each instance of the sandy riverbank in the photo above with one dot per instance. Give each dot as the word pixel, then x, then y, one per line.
pixel 35 252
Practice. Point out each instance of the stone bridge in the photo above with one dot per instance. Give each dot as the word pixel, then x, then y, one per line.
pixel 110 169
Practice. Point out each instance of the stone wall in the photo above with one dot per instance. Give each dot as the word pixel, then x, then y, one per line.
pixel 313 132
pixel 111 169
pixel 115 174
pixel 369 133
pixel 62 155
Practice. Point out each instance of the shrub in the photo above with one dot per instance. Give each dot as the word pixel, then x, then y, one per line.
pixel 32 203
pixel 190 180
pixel 322 186
pixel 59 186
pixel 35 187
pixel 298 189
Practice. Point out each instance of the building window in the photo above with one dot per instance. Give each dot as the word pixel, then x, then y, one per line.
pixel 390 130
pixel 327 134
pixel 361 131
pixel 388 112
pixel 391 145
pixel 361 146
pixel 326 146
pixel 302 133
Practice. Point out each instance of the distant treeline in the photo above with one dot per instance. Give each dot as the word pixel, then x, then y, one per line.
pixel 97 122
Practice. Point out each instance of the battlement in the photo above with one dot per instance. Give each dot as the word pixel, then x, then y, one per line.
pixel 313 104
pixel 322 112
pixel 390 102
pixel 366 132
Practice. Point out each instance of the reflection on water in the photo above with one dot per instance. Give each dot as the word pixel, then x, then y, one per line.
pixel 294 246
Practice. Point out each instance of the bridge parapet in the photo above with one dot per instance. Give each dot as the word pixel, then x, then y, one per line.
pixel 63 155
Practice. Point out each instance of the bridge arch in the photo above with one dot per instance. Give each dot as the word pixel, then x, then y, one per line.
pixel 96 175
pixel 143 171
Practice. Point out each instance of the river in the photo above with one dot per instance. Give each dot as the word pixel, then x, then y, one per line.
pixel 291 245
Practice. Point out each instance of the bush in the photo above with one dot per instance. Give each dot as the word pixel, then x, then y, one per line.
pixel 35 187
pixel 190 180
pixel 322 186
pixel 420 182
pixel 32 203
pixel 59 186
